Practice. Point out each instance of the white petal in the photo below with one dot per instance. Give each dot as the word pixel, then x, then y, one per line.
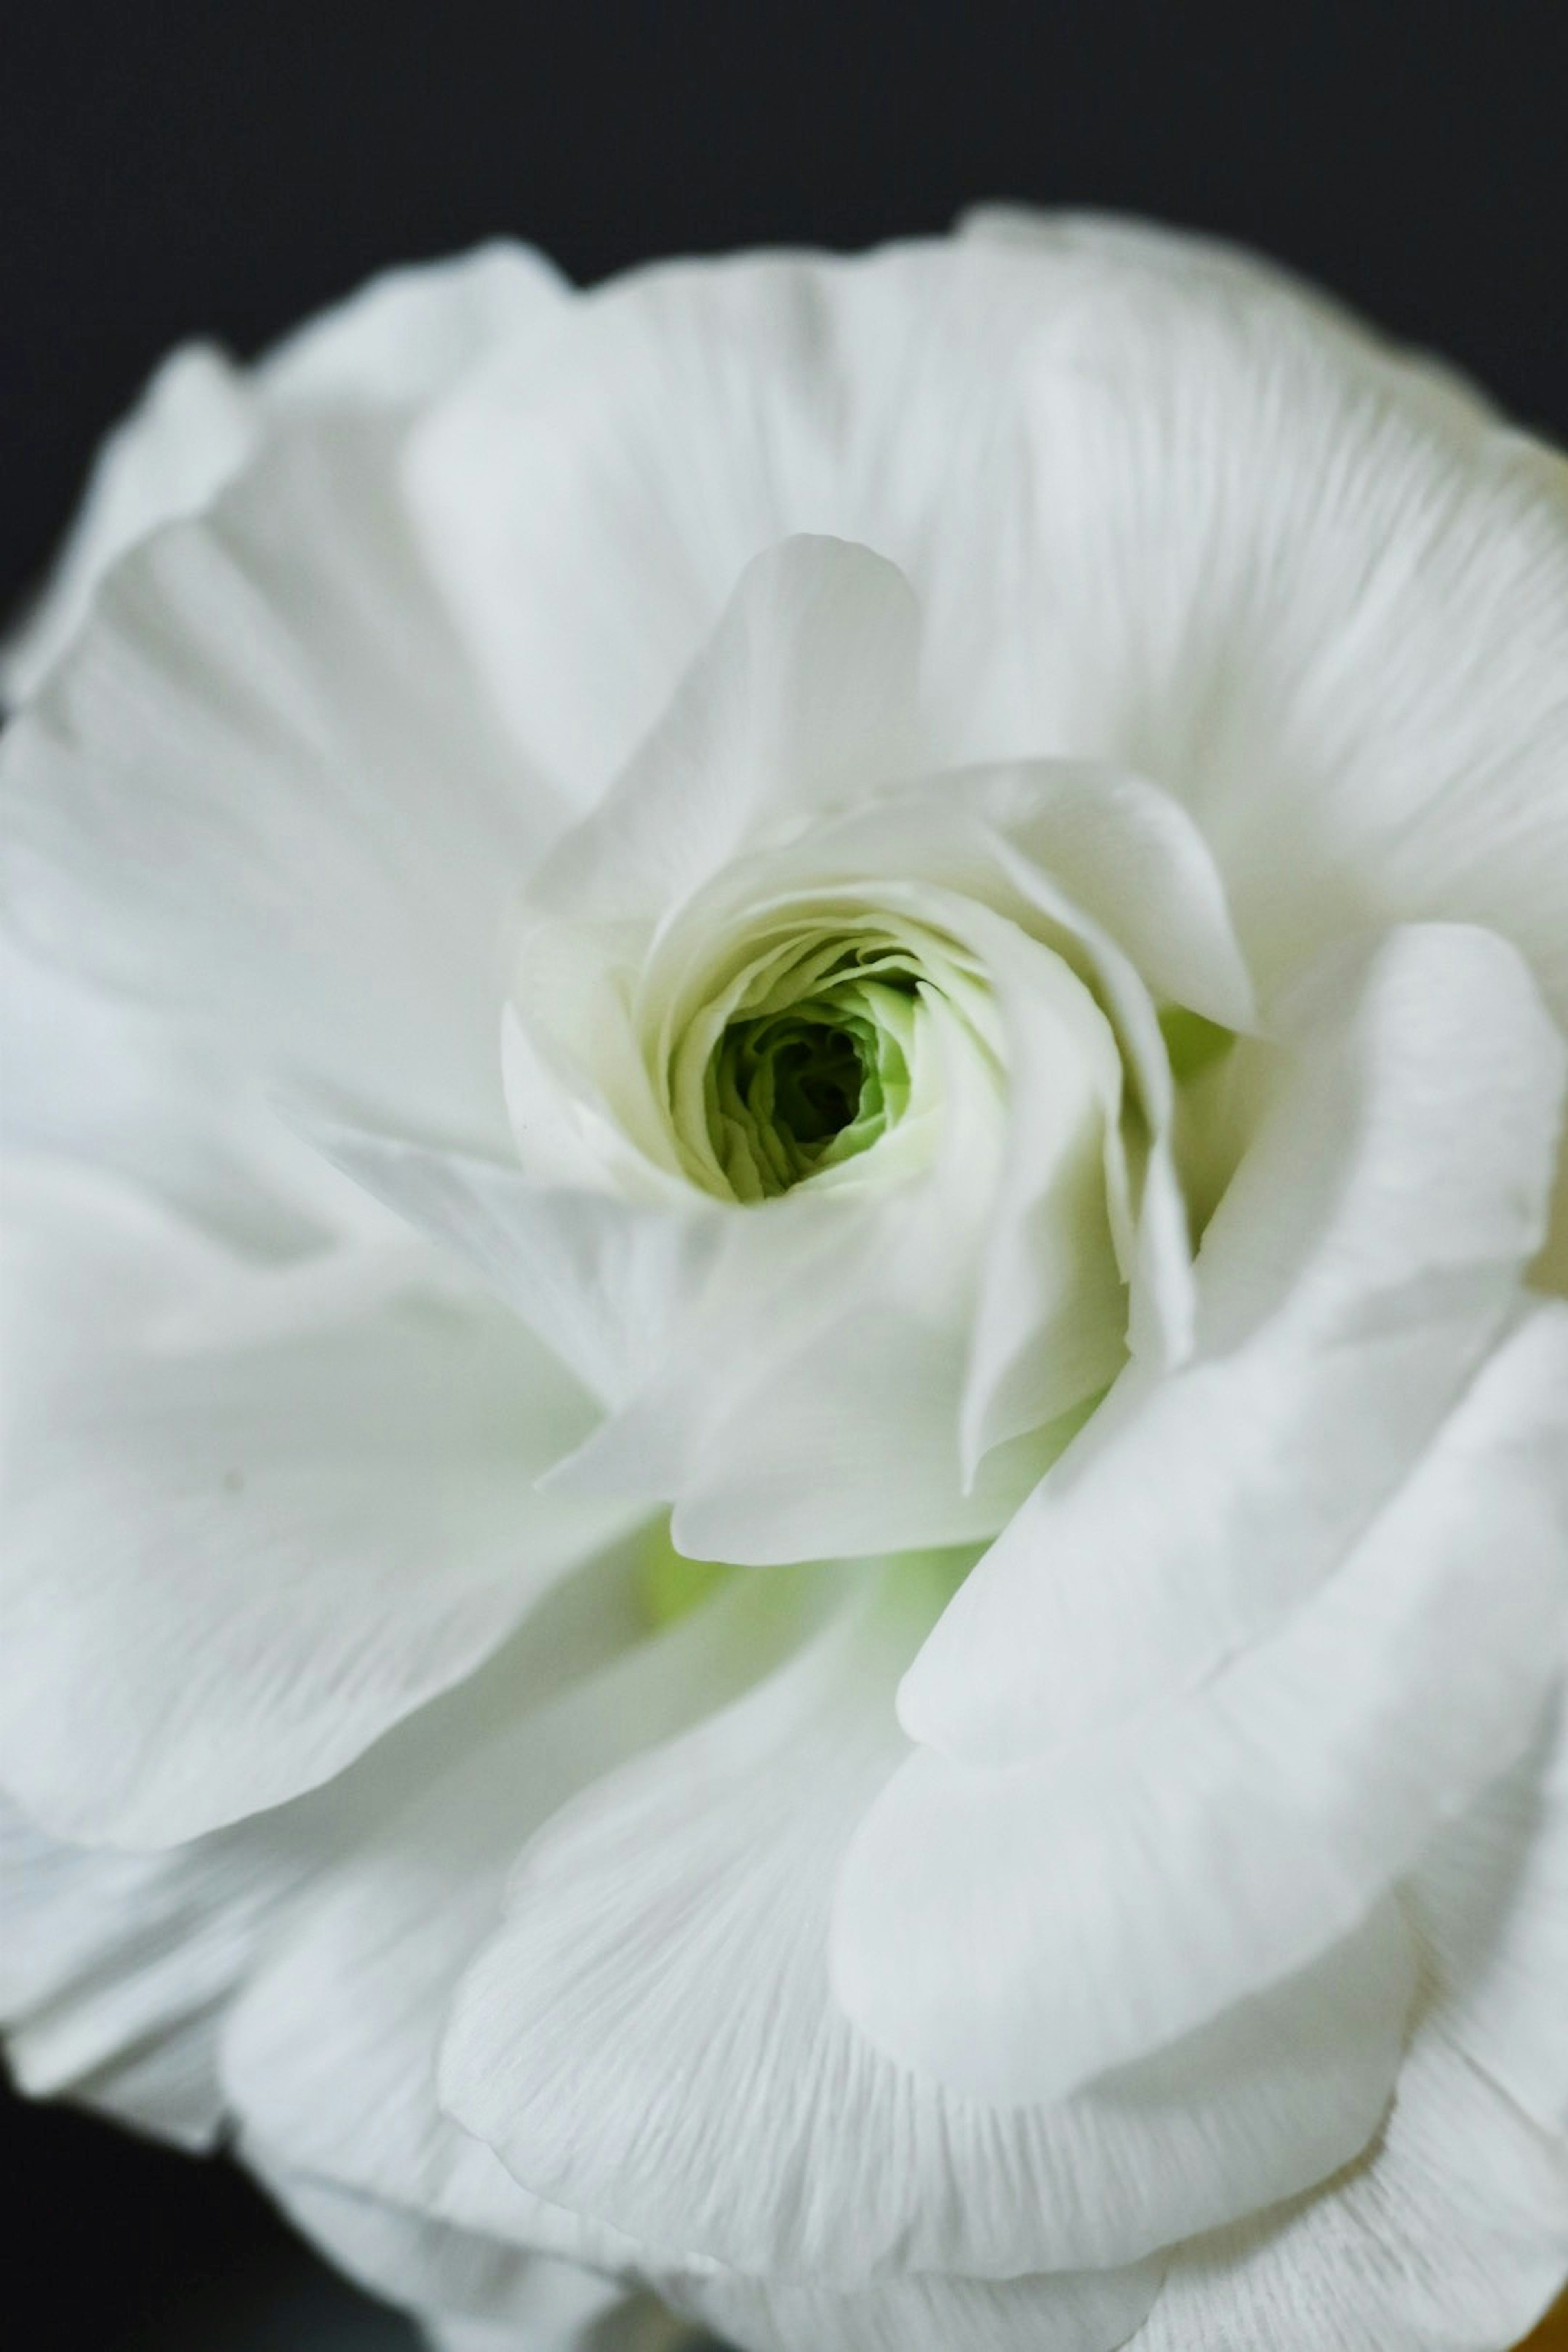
pixel 471 2293
pixel 88 1076
pixel 1362 1260
pixel 1129 858
pixel 591 510
pixel 1317 595
pixel 1018 1929
pixel 651 2038
pixel 265 790
pixel 1309 583
pixel 1083 2311
pixel 804 698
pixel 638 2327
pixel 1453 2237
pixel 405 336
pixel 602 1281
pixel 115 1968
pixel 395 342
pixel 257 1515
pixel 195 425
pixel 1492 1896
pixel 816 1310
pixel 375 1955
pixel 118 1970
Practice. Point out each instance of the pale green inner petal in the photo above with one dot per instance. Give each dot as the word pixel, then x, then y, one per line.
pixel 1193 1043
pixel 805 1043
pixel 670 1586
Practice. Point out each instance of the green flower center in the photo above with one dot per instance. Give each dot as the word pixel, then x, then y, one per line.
pixel 793 1091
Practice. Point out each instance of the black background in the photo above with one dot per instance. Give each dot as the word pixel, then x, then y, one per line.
pixel 222 169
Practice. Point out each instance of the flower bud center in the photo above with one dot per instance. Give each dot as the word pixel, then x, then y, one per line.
pixel 806 1084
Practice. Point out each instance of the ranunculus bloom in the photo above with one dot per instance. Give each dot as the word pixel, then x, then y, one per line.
pixel 788 1532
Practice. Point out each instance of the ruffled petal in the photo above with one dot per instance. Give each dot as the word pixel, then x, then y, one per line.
pixel 1491 1897
pixel 116 1967
pixel 265 791
pixel 805 697
pixel 1091 2311
pixel 408 334
pixel 602 1281
pixel 591 510
pixel 376 1953
pixel 587 2045
pixel 201 418
pixel 194 427
pixel 1018 1929
pixel 1161 508
pixel 1361 1262
pixel 257 1515
pixel 1453 2237
pixel 471 2294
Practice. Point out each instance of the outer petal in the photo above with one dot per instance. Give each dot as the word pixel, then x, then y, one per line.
pixel 1086 2312
pixel 805 697
pixel 116 1966
pixel 588 2046
pixel 119 1086
pixel 409 334
pixel 472 2293
pixel 1452 2238
pixel 641 2327
pixel 266 791
pixel 376 1953
pixel 257 1515
pixel 119 1970
pixel 1160 509
pixel 395 342
pixel 196 424
pixel 1491 1897
pixel 1361 1262
pixel 601 1280
pixel 1017 1930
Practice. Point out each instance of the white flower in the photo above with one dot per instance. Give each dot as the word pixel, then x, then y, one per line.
pixel 902 923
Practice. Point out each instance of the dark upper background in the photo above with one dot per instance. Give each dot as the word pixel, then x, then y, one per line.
pixel 222 169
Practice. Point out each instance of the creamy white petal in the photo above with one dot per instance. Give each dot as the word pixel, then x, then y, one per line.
pixel 1160 507
pixel 1359 1266
pixel 1128 856
pixel 267 790
pixel 805 696
pixel 194 427
pixel 118 1970
pixel 1083 2311
pixel 601 1280
pixel 88 1076
pixel 468 2291
pixel 644 1303
pixel 1453 2237
pixel 257 1515
pixel 640 2326
pixel 374 1956
pixel 592 510
pixel 651 2037
pixel 115 1967
pixel 407 335
pixel 395 342
pixel 1491 1897
pixel 1017 1929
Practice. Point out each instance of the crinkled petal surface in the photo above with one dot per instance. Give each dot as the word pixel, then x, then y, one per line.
pixel 1026 1926
pixel 267 788
pixel 652 2038
pixel 256 1516
pixel 1364 1260
pixel 396 343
